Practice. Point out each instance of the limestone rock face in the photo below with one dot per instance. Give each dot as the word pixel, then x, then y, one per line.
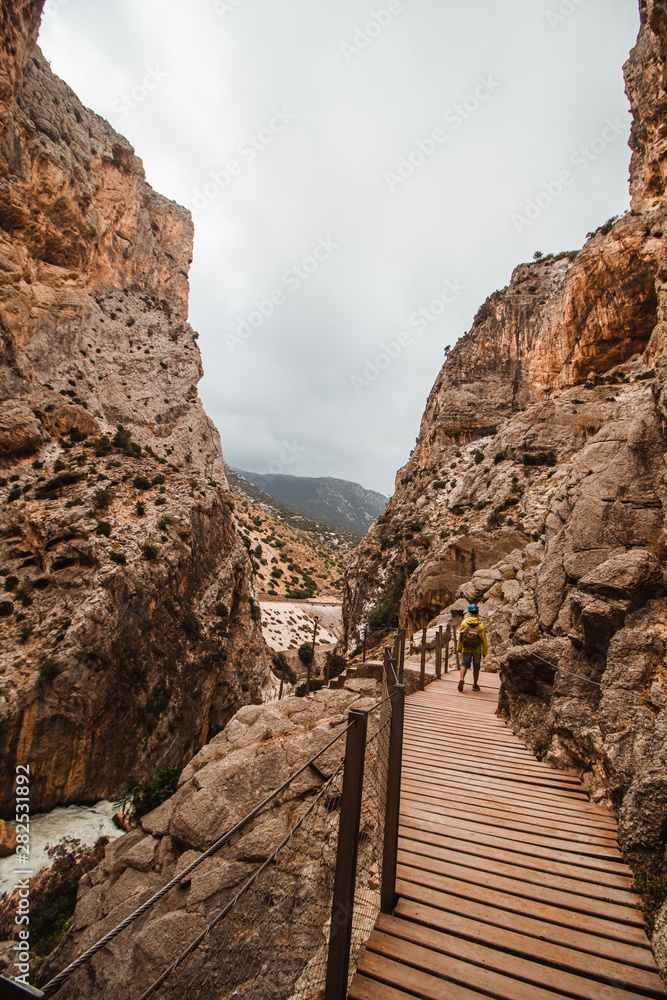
pixel 117 547
pixel 538 488
pixel 645 87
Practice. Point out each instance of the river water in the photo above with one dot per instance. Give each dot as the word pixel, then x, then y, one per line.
pixel 87 823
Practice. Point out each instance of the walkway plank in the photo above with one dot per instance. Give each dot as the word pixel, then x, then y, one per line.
pixel 510 881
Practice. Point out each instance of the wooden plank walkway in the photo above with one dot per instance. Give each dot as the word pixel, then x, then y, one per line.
pixel 510 880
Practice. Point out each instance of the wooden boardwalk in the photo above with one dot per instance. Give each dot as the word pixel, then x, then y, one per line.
pixel 511 883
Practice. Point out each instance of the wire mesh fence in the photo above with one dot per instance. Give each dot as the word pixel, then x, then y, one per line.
pixel 273 941
pixel 368 880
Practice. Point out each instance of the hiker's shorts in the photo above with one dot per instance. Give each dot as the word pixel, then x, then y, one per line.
pixel 476 660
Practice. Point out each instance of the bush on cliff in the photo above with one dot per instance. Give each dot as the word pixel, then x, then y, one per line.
pixel 383 615
pixel 52 895
pixel 148 793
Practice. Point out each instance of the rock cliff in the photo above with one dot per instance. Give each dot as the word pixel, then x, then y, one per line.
pixel 129 626
pixel 538 488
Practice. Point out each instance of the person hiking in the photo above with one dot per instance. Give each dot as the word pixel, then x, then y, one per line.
pixel 473 645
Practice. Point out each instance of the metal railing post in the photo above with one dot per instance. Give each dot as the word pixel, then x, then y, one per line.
pixel 438 653
pixel 422 669
pixel 342 907
pixel 397 650
pixel 393 804
pixel 401 663
pixel 389 669
pixel 447 635
pixel 363 658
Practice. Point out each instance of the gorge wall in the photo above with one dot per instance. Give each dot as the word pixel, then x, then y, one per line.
pixel 129 626
pixel 538 488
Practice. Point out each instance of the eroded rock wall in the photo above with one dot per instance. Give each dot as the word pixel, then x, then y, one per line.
pixel 117 549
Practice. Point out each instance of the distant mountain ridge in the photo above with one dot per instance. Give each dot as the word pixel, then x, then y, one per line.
pixel 337 502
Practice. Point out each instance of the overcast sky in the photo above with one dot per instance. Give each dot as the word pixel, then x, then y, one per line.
pixel 358 173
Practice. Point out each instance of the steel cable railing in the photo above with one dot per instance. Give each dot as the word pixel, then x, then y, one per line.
pixel 278 933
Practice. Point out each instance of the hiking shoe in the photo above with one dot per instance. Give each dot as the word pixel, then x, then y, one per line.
pixel 476 687
pixel 460 685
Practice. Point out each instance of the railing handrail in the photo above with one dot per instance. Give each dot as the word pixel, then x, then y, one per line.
pixel 60 978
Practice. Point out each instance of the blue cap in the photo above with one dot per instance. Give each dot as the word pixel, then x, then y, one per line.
pixel 473 609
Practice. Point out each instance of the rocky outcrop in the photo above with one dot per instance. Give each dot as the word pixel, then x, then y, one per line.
pixel 129 627
pixel 284 916
pixel 537 488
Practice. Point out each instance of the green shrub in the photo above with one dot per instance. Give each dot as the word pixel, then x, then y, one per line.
pixel 118 557
pixel 192 625
pixel 59 465
pixel 478 456
pixel 150 551
pixel 158 480
pixel 297 594
pixel 499 457
pixel 221 611
pixel 411 566
pixel 141 483
pixel 316 684
pixel 103 528
pixel 103 499
pixel 439 484
pixel 102 446
pixel 305 653
pixel 77 436
pixel 73 503
pixel 49 669
pixel 14 494
pixel 337 664
pixel 11 582
pixel 164 522
pixel 149 793
pixel 495 519
pixel 122 439
pixel 383 615
pixel 458 509
pixel 540 458
pixel 140 508
pixel 386 542
pixel 6 609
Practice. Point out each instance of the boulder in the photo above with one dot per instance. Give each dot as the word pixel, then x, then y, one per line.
pixel 632 575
